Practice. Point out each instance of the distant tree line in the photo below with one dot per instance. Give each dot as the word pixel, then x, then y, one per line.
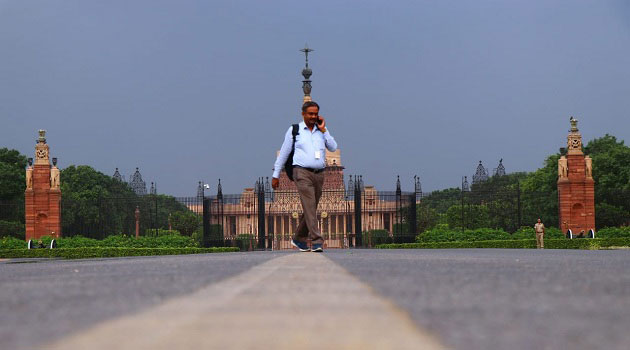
pixel 95 204
pixel 503 201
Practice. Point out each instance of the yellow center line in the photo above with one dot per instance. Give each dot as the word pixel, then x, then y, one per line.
pixel 296 301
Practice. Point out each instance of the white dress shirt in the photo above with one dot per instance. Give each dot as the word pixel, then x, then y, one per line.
pixel 308 145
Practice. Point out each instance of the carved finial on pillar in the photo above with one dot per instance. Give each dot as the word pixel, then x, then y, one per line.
pixel 42 150
pixel 42 136
pixel 574 140
pixel 573 122
pixel 306 73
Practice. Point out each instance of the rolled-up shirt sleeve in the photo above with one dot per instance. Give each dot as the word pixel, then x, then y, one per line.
pixel 285 150
pixel 331 144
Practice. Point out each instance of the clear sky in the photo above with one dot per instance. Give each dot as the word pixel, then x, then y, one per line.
pixel 202 90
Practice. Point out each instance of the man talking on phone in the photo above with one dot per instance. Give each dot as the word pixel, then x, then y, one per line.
pixel 309 161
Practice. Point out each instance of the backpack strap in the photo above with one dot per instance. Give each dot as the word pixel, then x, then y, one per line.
pixel 295 132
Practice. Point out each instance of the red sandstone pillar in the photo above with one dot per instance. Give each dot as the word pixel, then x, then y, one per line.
pixel 42 201
pixel 576 188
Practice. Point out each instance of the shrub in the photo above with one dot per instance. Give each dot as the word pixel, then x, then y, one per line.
pixel 244 241
pixel 197 236
pixel 614 232
pixel 78 242
pixel 443 234
pixel 113 241
pixel 375 237
pixel 105 252
pixel 12 243
pixel 596 243
pixel 527 232
pixel 119 241
pixel 150 232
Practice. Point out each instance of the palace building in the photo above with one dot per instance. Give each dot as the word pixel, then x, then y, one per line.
pixel 336 212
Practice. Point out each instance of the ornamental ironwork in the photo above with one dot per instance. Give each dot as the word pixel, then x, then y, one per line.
pixel 350 191
pixel 465 185
pixel 117 176
pixel 153 189
pixel 499 170
pixel 137 184
pixel 200 190
pixel 481 175
pixel 417 187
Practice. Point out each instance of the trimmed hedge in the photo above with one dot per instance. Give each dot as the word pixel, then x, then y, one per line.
pixel 592 244
pixel 114 241
pixel 97 252
pixel 442 233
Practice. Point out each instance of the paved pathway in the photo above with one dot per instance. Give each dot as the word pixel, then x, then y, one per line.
pixel 506 298
pixel 272 306
pixel 41 300
pixel 462 299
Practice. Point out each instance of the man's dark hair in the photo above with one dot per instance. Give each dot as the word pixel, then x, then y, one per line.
pixel 309 104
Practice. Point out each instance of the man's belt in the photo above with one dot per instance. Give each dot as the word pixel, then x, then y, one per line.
pixel 316 171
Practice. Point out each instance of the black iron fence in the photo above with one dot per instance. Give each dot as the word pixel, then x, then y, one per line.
pixel 12 218
pixel 265 219
pixel 259 218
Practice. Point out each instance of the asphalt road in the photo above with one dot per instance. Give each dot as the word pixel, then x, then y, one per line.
pixel 469 299
pixel 506 299
pixel 47 299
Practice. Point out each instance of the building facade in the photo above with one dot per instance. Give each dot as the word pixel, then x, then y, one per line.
pixel 336 212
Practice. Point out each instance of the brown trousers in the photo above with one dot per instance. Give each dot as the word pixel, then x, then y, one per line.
pixel 309 187
pixel 539 240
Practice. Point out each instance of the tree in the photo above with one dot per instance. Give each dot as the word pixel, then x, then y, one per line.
pixel 539 193
pixel 12 174
pixel 427 217
pixel 12 186
pixel 611 172
pixel 186 222
pixel 441 200
pixel 97 205
pixel 474 216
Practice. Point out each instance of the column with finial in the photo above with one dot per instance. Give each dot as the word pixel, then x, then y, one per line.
pixel 306 73
pixel 43 194
pixel 576 187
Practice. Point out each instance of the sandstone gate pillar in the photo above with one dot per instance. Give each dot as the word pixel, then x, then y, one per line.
pixel 576 188
pixel 43 195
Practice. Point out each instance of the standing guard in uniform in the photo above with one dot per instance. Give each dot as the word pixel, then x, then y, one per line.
pixel 539 227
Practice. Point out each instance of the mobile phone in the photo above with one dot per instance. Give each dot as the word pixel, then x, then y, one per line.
pixel 319 120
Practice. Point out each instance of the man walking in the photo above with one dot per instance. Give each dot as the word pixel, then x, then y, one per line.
pixel 309 160
pixel 539 227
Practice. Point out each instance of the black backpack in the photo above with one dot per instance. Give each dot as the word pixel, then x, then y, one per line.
pixel 288 165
